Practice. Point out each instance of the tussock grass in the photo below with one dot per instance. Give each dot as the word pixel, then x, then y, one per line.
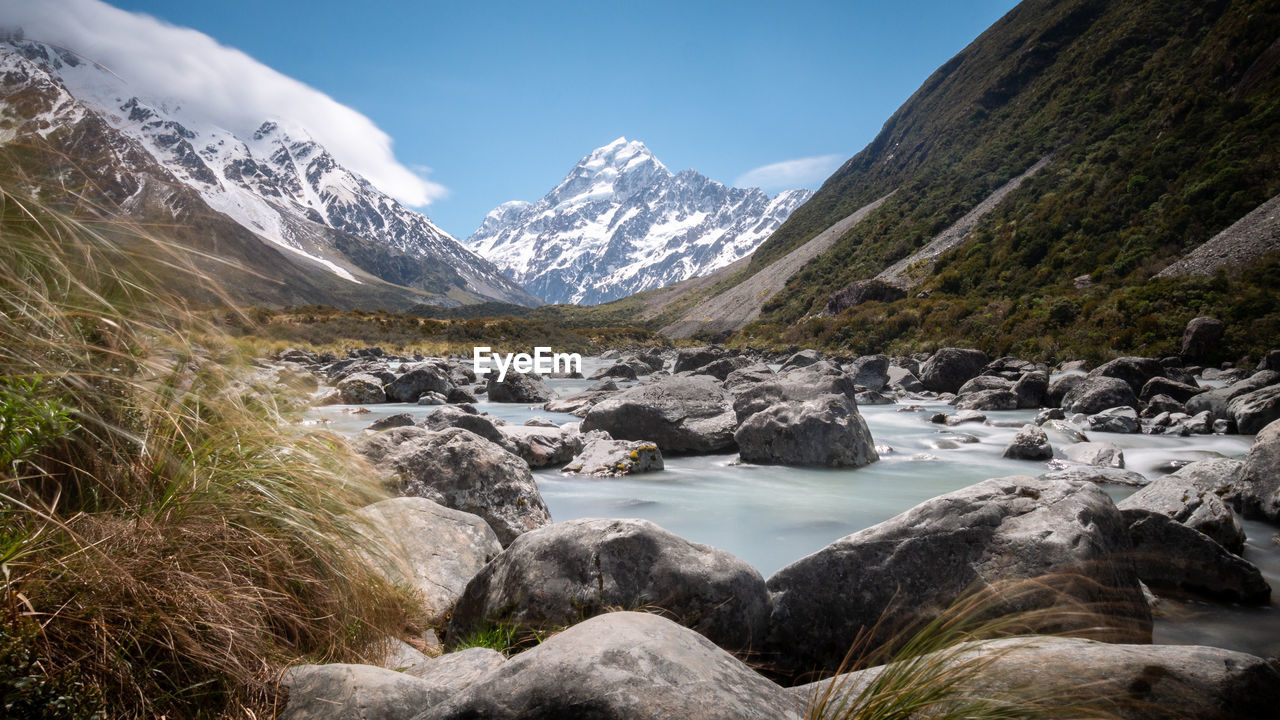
pixel 167 544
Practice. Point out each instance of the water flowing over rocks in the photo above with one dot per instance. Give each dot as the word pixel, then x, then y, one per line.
pixel 621 666
pixel 914 564
pixel 565 572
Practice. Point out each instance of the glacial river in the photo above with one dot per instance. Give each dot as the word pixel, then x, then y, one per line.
pixel 770 516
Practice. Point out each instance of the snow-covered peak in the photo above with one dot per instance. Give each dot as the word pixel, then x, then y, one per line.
pixel 610 173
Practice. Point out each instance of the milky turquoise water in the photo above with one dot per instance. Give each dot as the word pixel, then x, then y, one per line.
pixel 770 516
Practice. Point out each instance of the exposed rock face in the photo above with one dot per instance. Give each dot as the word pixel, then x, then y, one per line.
pixel 361 389
pixel 411 386
pixel 429 547
pixel 1173 557
pixel 605 457
pixel 1186 497
pixel 621 666
pixel 356 692
pixel 949 368
pixel 571 570
pixel 1032 390
pixel 905 380
pixel 1253 411
pixel 679 414
pixel 518 387
pixel 795 385
pixel 1260 476
pixel 456 671
pixel 1093 394
pixel 463 471
pixel 1133 682
pixel 912 565
pixel 826 432
pixel 1029 444
pixel 862 291
pixel 1113 476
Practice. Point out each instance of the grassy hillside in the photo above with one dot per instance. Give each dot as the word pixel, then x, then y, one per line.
pixel 1163 120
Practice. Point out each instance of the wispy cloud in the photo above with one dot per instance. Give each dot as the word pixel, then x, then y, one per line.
pixel 221 85
pixel 807 172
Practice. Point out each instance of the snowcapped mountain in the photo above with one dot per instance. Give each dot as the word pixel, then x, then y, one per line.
pixel 621 222
pixel 277 183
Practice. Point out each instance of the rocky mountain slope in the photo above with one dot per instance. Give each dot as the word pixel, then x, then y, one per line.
pixel 621 222
pixel 1056 165
pixel 285 221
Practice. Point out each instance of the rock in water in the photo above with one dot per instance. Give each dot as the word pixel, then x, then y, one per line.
pixel 621 666
pixel 949 368
pixel 411 386
pixel 680 414
pixel 909 567
pixel 1098 454
pixel 1134 371
pixel 1192 498
pixel 430 548
pixel 570 570
pixel 1030 443
pixel 463 471
pixel 755 392
pixel 361 389
pixel 1253 411
pixel 605 457
pixel 1173 557
pixel 518 387
pixel 826 432
pixel 1260 476
pixel 1095 394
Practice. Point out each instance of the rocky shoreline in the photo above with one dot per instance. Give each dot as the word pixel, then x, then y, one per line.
pixel 472 532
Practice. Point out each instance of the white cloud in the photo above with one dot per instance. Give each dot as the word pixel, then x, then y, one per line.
pixel 807 172
pixel 221 85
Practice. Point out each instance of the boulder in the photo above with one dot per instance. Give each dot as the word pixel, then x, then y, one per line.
pixel 1159 404
pixel 826 432
pixel 679 414
pixel 542 445
pixel 1094 394
pixel 860 291
pixel 1030 443
pixel 903 379
pixel 463 471
pixel 1102 475
pixel 909 567
pixel 1193 499
pixel 1064 432
pixel 988 400
pixel 1259 487
pixel 571 570
pixel 695 357
pixel 361 389
pixel 450 416
pixel 517 387
pixel 1254 410
pixel 1172 557
pixel 1086 678
pixel 720 369
pixel 984 382
pixel 1181 392
pixel 1060 386
pixel 1134 371
pixel 422 379
pixel 620 371
pixel 1270 361
pixel 870 371
pixel 796 385
pixel 1216 401
pixel 949 368
pixel 430 548
pixel 606 457
pixel 339 691
pixel 579 404
pixel 621 666
pixel 1011 368
pixel 391 421
pixel 1200 340
pixel 456 671
pixel 1032 390
pixel 435 398
pixel 801 359
pixel 1116 420
pixel 1099 454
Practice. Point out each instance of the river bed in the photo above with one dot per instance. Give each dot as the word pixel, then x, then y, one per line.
pixel 771 516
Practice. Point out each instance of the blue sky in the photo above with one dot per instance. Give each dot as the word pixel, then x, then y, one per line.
pixel 496 101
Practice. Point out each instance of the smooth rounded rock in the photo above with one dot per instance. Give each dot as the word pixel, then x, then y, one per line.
pixel 679 414
pixel 825 432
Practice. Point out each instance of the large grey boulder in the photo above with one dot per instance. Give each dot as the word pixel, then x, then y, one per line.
pixel 826 432
pixel 1060 386
pixel 463 471
pixel 870 371
pixel 1098 454
pixel 452 416
pixel 339 691
pixel 579 404
pixel 1094 394
pixel 541 446
pixel 430 548
pixel 562 573
pixel 909 567
pixel 1099 475
pixel 679 414
pixel 1172 557
pixel 517 387
pixel 361 389
pixel 1216 401
pixel 1200 339
pixel 1186 497
pixel 422 379
pixel 1253 411
pixel 986 400
pixel 1122 419
pixel 984 382
pixel 695 357
pixel 796 385
pixel 1181 392
pixel 722 368
pixel 1134 371
pixel 606 457
pixel 1259 488
pixel 619 370
pixel 1030 443
pixel 949 368
pixel 903 379
pixel 456 671
pixel 621 666
pixel 1133 682
pixel 1032 390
